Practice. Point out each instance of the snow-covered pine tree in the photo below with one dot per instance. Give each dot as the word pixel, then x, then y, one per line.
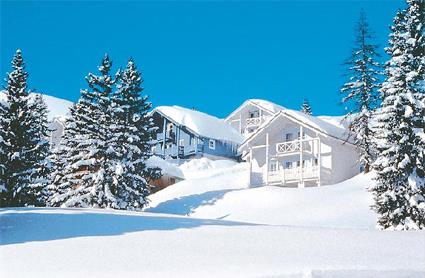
pixel 360 93
pixel 133 131
pixel 42 163
pixel 306 108
pixel 3 146
pixel 399 192
pixel 85 181
pixel 20 140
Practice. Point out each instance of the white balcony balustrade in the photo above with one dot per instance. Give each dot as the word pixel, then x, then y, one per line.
pixel 253 122
pixel 305 145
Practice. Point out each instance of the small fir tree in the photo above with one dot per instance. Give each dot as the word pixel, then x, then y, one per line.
pixel 20 141
pixel 306 108
pixel 360 93
pixel 399 192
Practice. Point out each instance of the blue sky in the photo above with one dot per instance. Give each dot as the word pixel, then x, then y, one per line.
pixel 207 55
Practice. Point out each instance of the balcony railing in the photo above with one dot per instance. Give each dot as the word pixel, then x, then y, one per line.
pixel 293 174
pixel 295 146
pixel 252 122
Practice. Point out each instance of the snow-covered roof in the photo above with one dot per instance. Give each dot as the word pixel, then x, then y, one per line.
pixel 311 122
pixel 166 167
pixel 57 107
pixel 339 121
pixel 269 106
pixel 200 123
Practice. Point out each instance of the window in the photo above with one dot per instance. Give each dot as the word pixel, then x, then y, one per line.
pixel 211 144
pixel 316 162
pixel 298 163
pixel 288 165
pixel 254 114
pixel 273 166
pixel 288 137
pixel 191 140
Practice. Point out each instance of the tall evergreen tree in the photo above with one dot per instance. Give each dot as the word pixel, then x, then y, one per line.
pixel 133 130
pixel 400 189
pixel 360 93
pixel 85 179
pixel 20 141
pixel 306 108
pixel 42 163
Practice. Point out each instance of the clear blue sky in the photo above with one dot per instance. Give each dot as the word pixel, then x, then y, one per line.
pixel 208 55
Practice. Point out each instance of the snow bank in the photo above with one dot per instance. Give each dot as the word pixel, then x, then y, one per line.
pixel 57 107
pixel 202 124
pixel 165 166
pixel 204 167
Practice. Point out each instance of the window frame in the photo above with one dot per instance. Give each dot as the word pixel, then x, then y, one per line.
pixel 211 144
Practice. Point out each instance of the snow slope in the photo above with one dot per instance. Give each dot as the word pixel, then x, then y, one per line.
pixel 57 107
pixel 223 193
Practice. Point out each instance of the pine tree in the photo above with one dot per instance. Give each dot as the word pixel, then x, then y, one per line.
pixel 42 164
pixel 360 93
pixel 85 179
pixel 133 130
pixel 306 108
pixel 20 140
pixel 399 192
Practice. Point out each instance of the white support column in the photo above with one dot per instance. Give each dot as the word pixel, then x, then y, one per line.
pixel 164 127
pixel 319 161
pixel 240 123
pixel 250 166
pixel 301 182
pixel 267 159
pixel 260 114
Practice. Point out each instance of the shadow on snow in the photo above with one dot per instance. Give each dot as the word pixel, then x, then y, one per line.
pixel 187 204
pixel 16 226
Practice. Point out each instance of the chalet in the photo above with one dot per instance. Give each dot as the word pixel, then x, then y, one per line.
pixel 292 149
pixel 185 133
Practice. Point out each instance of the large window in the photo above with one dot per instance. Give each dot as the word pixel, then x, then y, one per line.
pixel 211 144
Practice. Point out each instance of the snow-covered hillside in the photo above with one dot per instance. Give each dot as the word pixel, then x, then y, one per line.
pixel 219 190
pixel 57 107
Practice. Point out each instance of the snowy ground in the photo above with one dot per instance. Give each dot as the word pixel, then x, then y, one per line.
pixel 259 232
